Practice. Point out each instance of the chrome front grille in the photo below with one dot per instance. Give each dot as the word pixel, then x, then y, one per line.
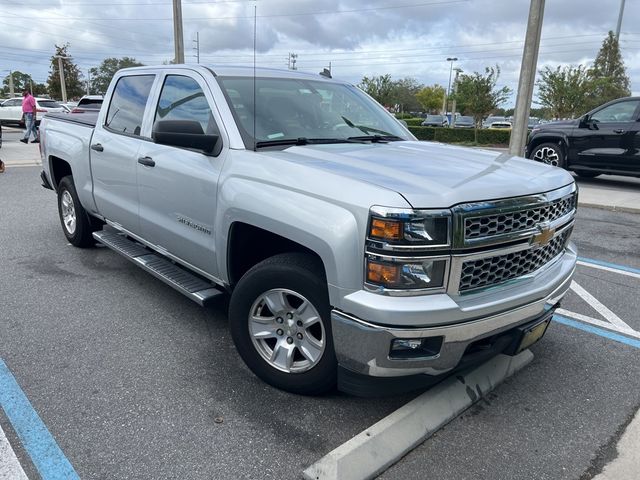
pixel 494 270
pixel 498 241
pixel 516 221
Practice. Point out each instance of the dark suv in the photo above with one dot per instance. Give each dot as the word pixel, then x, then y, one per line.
pixel 605 140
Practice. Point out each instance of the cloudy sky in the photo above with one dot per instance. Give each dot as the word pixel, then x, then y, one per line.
pixel 373 37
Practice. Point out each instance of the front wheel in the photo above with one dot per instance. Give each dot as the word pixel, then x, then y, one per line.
pixel 279 318
pixel 549 153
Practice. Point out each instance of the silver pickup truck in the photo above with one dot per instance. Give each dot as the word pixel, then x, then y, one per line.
pixel 353 254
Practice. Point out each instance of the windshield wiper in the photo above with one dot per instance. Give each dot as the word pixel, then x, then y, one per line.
pixel 380 135
pixel 305 141
pixel 377 138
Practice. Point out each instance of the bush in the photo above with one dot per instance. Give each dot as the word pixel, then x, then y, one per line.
pixel 461 135
pixel 491 136
pixel 403 116
pixel 414 122
pixel 422 133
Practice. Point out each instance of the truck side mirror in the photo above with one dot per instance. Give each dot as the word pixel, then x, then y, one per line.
pixel 186 134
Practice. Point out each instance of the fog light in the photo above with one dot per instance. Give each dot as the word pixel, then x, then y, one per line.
pixel 411 348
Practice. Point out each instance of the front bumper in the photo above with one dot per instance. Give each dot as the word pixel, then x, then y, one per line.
pixel 363 347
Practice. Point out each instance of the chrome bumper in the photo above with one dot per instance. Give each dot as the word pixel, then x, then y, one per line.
pixel 364 347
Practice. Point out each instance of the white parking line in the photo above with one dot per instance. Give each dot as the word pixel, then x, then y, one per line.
pixel 10 468
pixel 599 307
pixel 608 269
pixel 612 321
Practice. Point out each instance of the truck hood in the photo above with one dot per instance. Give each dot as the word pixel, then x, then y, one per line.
pixel 429 174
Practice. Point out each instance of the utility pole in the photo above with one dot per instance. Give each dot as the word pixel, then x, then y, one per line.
pixel 527 78
pixel 11 92
pixel 63 87
pixel 292 61
pixel 89 82
pixel 197 47
pixel 177 31
pixel 620 20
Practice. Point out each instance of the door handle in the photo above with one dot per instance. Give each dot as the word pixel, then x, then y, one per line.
pixel 146 161
pixel 618 130
pixel 97 147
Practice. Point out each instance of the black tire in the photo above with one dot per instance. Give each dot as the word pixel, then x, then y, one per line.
pixel 303 276
pixel 550 154
pixel 587 174
pixel 79 233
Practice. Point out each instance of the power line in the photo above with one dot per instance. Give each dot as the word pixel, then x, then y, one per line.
pixel 273 15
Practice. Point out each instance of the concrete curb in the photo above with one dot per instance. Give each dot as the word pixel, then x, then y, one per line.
pixel 611 208
pixel 377 448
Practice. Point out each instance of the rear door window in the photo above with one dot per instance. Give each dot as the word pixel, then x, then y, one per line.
pixel 128 102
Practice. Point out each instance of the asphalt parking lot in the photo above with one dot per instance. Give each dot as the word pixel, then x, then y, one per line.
pixel 133 380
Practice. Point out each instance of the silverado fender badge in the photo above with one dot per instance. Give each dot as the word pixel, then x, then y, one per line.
pixel 544 235
pixel 196 226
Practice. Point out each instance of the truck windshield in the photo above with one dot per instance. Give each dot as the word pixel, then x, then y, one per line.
pixel 291 108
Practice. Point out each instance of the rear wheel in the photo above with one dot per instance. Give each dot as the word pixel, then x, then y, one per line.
pixel 549 153
pixel 279 318
pixel 77 225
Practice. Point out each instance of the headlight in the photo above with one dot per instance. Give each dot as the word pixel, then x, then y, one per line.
pixel 411 274
pixel 401 229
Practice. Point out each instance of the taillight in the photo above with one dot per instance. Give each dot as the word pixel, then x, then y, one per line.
pixel 41 110
pixel 77 110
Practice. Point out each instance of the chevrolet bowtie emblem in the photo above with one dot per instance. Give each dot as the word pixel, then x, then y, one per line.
pixel 544 236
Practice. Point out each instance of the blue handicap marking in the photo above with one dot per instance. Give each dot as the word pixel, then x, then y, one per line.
pixel 598 331
pixel 36 439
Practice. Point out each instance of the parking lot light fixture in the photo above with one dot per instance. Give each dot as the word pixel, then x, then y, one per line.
pixel 446 102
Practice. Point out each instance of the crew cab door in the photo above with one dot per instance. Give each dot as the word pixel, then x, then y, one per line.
pixel 177 186
pixel 114 151
pixel 608 139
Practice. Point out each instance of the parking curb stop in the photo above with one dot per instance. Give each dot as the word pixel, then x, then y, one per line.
pixel 380 446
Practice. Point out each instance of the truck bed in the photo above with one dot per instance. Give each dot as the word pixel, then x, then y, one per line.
pixel 87 119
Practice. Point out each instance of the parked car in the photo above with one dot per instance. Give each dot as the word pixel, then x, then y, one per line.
pixel 88 103
pixel 435 121
pixel 604 140
pixel 352 254
pixel 464 122
pixel 496 122
pixel 11 110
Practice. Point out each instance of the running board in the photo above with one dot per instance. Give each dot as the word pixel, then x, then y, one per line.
pixel 197 289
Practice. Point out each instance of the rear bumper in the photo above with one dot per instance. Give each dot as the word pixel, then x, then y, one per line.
pixel 363 347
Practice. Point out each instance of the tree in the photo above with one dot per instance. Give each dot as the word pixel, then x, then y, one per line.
pixel 102 75
pixel 608 75
pixel 72 74
pixel 20 82
pixel 564 91
pixel 431 97
pixel 403 93
pixel 379 88
pixel 480 95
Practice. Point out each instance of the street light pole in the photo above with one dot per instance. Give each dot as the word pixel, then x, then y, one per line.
pixel 445 104
pixel 177 31
pixel 11 92
pixel 527 78
pixel 620 20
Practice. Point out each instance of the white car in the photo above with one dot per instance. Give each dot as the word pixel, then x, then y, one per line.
pixel 11 110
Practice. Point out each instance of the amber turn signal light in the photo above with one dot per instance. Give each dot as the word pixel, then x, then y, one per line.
pixel 383 273
pixel 386 229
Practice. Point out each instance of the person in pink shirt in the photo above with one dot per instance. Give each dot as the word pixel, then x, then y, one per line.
pixel 29 112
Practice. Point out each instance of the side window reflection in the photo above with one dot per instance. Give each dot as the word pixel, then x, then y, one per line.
pixel 183 99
